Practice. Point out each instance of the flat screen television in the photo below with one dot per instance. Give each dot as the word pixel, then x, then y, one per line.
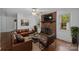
pixel 48 17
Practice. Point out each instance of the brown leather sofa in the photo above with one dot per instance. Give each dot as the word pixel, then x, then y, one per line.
pixel 19 44
pixel 25 32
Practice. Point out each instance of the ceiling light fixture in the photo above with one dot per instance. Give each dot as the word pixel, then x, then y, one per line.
pixel 34 11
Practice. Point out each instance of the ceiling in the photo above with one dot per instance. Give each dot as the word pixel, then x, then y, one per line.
pixel 25 11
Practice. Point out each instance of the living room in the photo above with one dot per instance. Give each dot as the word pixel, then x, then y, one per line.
pixel 28 23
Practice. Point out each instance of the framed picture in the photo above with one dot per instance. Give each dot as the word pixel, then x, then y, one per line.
pixel 65 18
pixel 24 22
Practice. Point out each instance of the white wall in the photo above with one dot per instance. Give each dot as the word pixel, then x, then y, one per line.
pixel 74 19
pixel 19 17
pixel 38 23
pixel 32 22
pixel 0 31
pixel 7 24
pixel 0 23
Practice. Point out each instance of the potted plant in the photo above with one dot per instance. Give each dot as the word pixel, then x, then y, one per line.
pixel 75 33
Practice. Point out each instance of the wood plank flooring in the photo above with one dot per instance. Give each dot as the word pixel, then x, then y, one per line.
pixel 61 45
pixel 58 45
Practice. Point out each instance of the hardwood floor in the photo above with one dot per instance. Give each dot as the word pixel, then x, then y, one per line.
pixel 60 45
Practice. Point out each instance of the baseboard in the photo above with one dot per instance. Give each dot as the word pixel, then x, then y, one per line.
pixel 64 41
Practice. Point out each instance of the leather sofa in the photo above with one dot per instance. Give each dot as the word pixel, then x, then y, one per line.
pixel 25 32
pixel 46 40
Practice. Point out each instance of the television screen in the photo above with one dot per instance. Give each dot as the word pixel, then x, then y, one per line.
pixel 48 17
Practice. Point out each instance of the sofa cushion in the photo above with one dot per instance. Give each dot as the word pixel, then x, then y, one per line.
pixel 19 38
pixel 16 38
pixel 23 32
